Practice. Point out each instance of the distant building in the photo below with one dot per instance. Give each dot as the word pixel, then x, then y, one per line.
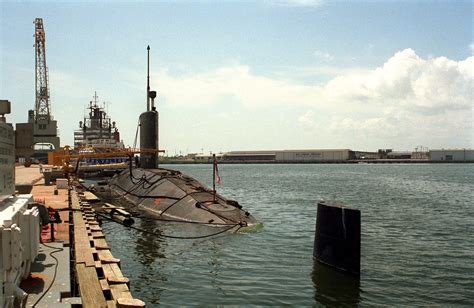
pixel 206 157
pixel 290 156
pixel 250 156
pixel 399 155
pixel 366 155
pixel 313 155
pixel 452 155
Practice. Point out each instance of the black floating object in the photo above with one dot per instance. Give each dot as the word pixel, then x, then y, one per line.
pixel 128 221
pixel 337 240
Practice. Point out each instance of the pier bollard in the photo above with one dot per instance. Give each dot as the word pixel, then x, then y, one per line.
pixel 47 176
pixel 337 239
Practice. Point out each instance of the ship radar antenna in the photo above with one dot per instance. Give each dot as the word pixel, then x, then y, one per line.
pixel 95 97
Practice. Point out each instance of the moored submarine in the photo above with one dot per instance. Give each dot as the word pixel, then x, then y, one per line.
pixel 169 194
pixel 172 195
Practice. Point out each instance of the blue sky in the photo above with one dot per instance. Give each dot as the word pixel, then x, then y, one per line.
pixel 254 75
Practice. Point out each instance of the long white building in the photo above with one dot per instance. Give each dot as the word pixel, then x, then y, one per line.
pixel 289 156
pixel 452 155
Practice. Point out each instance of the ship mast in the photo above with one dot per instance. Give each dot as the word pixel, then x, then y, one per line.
pixel 148 80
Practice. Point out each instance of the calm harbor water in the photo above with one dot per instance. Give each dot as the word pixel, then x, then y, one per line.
pixel 417 240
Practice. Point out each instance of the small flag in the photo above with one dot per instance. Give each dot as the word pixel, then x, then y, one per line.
pixel 217 171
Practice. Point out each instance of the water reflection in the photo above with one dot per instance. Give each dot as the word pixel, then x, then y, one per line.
pixel 333 287
pixel 215 266
pixel 150 252
pixel 149 246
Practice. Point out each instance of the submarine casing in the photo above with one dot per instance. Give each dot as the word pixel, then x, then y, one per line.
pixel 171 195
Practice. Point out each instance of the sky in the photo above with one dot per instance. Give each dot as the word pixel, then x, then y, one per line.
pixel 253 75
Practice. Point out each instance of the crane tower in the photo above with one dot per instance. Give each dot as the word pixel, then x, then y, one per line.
pixel 42 106
pixel 45 128
pixel 40 134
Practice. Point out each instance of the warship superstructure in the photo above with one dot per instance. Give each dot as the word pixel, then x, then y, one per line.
pixel 97 130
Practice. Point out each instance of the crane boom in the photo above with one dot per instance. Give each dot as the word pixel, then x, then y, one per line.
pixel 42 105
pixel 65 154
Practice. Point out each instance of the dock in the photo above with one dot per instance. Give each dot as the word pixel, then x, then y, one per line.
pixel 87 274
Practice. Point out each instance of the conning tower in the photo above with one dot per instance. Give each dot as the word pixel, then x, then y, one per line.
pixel 149 124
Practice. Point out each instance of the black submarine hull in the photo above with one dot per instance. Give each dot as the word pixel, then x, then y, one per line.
pixel 172 195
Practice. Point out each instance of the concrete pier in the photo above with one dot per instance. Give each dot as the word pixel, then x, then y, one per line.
pixel 86 273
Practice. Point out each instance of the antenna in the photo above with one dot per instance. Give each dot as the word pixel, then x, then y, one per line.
pixel 148 80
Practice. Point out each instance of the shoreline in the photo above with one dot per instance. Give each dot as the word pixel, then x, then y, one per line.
pixel 376 161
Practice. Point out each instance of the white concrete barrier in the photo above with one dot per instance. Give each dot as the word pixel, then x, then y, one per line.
pixel 19 242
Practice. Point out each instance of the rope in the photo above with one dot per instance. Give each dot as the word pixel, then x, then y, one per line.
pixel 136 134
pixel 171 236
pixel 344 223
pixel 127 192
pixel 55 272
pixel 183 221
pixel 144 180
pixel 202 207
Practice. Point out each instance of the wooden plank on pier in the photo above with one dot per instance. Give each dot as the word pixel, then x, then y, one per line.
pixel 105 256
pixel 100 244
pixel 120 291
pixel 90 197
pixel 82 247
pixel 83 252
pixel 89 287
pixel 92 258
pixel 113 274
pixel 95 228
pixel 97 234
pixel 105 285
pixel 129 303
pixel 74 201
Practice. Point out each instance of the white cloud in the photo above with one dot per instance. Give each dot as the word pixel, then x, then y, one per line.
pixel 307 120
pixel 233 82
pixel 405 80
pixel 407 98
pixel 471 47
pixel 323 55
pixel 296 3
pixel 409 81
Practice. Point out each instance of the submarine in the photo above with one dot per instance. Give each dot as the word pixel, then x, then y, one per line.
pixel 170 194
